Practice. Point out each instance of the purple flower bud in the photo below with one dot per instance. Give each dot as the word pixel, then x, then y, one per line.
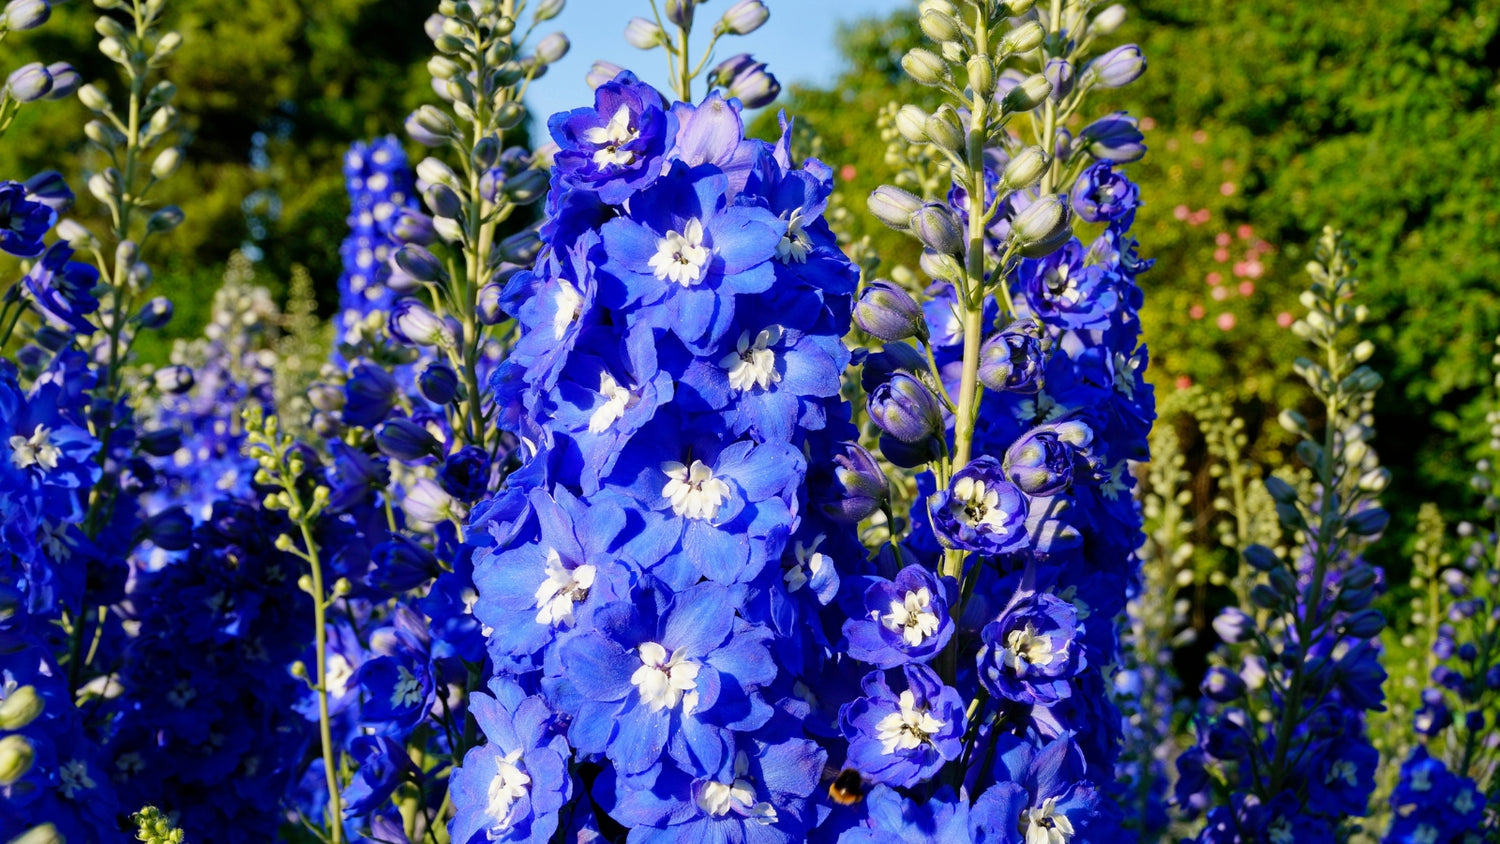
pixel 443 201
pixel 412 323
pixel 1368 522
pixel 1261 558
pixel 1468 652
pixel 552 48
pixel 65 81
pixel 1060 73
pixel 404 440
pixel 369 395
pixel 893 206
pixel 850 487
pixel 601 72
pixel 466 473
pixel 643 34
pixel 29 83
pixel 1115 137
pixel 1012 360
pixel 521 248
pixel 750 83
pixel 1222 685
pixel 904 408
pixel 1120 66
pixel 418 263
pixel 909 455
pixel 1432 718
pixel 1049 458
pixel 155 313
pixel 427 502
pixel 885 310
pixel 20 15
pixel 1234 626
pixel 744 17
pixel 1042 226
pixel 49 188
pixel 402 563
pixel 174 379
pixel 937 227
pixel 413 227
pixel 680 12
pixel 430 126
pixel 169 530
pixel 438 383
pixel 489 304
pixel 1365 624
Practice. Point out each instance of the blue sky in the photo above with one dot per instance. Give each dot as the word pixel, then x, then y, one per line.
pixel 797 44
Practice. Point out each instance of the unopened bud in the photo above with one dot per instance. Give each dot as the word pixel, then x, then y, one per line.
pixel 1040 221
pixel 893 206
pixel 643 34
pixel 1120 66
pixel 940 26
pixel 911 122
pixel 1024 169
pixel 744 17
pixel 1026 96
pixel 552 48
pixel 924 66
pixel 16 758
pixel 1023 39
pixel 20 707
pixel 981 75
pixel 1109 20
pixel 888 312
pixel 938 228
pixel 164 219
pixel 166 163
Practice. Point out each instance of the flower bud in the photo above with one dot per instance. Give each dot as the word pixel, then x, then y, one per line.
pixel 552 48
pixel 887 311
pixel 438 383
pixel 1365 624
pixel 404 440
pixel 527 186
pixel 601 72
pixel 1060 73
pixel 753 86
pixel 16 758
pixel 443 201
pixel 643 34
pixel 402 563
pixel 155 314
pixel 489 305
pixel 412 323
pixel 1029 94
pixel 21 15
pixel 428 503
pixel 546 10
pixel 418 263
pixel 1040 222
pixel 76 235
pixel 50 189
pixel 680 12
pixel 853 488
pixel 169 530
pixel 942 129
pixel 939 26
pixel 163 442
pixel 1368 522
pixel 1015 8
pixel 938 228
pixel 1222 685
pixel 175 380
pixel 65 80
pixel 909 455
pixel 166 163
pixel 1023 39
pixel 911 122
pixel 164 219
pixel 29 83
pixel 1120 66
pixel 1234 626
pixel 744 17
pixel 1109 20
pixel 430 126
pixel 1012 360
pixel 20 707
pixel 904 408
pixel 1115 138
pixel 893 206
pixel 1024 169
pixel 924 66
pixel 521 248
pixel 1261 558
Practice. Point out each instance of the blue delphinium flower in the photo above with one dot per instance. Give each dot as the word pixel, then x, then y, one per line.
pixel 980 510
pixel 617 147
pixel 511 788
pixel 1032 651
pixel 384 214
pixel 902 735
pixel 903 620
pixel 24 221
pixel 64 289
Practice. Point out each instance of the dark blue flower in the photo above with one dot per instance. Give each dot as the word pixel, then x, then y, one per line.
pixel 1063 290
pixel 1103 196
pixel 1049 458
pixel 617 147
pixel 903 620
pixel 980 510
pixel 1031 652
pixel 64 288
pixel 24 221
pixel 512 788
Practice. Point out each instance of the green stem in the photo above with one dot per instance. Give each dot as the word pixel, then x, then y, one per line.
pixel 325 723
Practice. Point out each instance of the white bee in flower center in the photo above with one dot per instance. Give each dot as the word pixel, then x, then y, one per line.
pixel 1046 825
pixel 908 728
pixel 753 364
pixel 36 450
pixel 681 256
pixel 665 682
pixel 509 785
pixel 562 590
pixel 611 137
pixel 912 617
pixel 694 491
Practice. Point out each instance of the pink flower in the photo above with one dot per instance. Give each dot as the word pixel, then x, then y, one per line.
pixel 1220 294
pixel 1148 123
pixel 1227 188
pixel 1214 279
pixel 1200 136
pixel 1201 216
pixel 1181 212
pixel 1245 231
pixel 1254 269
pixel 848 172
pixel 1196 312
pixel 1225 321
pixel 1247 288
pixel 1221 254
pixel 1284 319
pixel 1183 382
pixel 1221 239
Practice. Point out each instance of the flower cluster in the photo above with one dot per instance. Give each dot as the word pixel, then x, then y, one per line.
pixel 656 569
pixel 383 216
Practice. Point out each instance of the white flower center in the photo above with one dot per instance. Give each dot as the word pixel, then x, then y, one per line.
pixel 182 694
pixel 34 450
pixel 1341 769
pixel 694 491
pixel 1464 802
pixel 912 617
pixel 338 674
pixel 907 728
pixel 408 690
pixel 806 562
pixel 1046 825
pixel 1420 780
pixel 794 244
pixel 718 799
pixel 1280 832
pixel 74 777
pixel 1024 648
pixel 508 786
pixel 753 365
pixel 681 257
pixel 617 400
pixel 1425 834
pixel 610 137
pixel 563 588
pixel 664 683
pixel 1061 284
pixel 569 303
pixel 976 503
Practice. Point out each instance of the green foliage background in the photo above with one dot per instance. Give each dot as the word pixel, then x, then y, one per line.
pixel 1266 120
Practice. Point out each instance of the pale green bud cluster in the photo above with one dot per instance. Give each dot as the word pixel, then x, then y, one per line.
pixel 152 827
